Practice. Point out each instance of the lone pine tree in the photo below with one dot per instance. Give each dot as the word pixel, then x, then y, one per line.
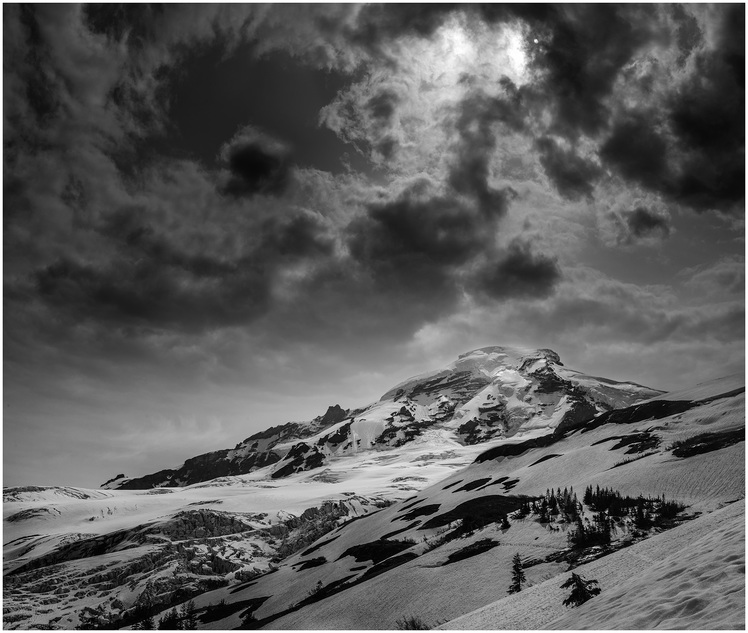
pixel 189 616
pixel 581 590
pixel 518 576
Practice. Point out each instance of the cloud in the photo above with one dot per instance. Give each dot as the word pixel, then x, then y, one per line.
pixel 518 273
pixel 183 259
pixel 581 51
pixel 723 278
pixel 410 246
pixel 378 25
pixel 707 116
pixel 637 151
pixel 640 224
pixel 257 164
pixel 572 175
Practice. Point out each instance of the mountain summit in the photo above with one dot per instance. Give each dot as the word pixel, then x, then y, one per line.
pixel 488 394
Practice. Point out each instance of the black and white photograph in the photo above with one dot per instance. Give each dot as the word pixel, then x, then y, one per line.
pixel 374 316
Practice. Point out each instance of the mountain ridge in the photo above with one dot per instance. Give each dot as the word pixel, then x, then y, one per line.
pixel 486 393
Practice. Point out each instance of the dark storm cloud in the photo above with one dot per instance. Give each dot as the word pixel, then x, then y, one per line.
pixel 257 164
pixel 132 22
pixel 637 151
pixel 639 224
pixel 691 148
pixel 152 281
pixel 40 82
pixel 707 116
pixel 643 223
pixel 420 222
pixel 519 272
pixel 411 246
pixel 582 49
pixel 572 175
pixel 469 170
pixel 149 293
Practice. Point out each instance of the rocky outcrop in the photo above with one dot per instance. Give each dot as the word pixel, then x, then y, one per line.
pixel 253 453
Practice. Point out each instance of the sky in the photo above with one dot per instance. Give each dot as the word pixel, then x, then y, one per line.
pixel 218 218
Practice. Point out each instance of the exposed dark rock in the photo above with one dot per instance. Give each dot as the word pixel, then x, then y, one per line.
pixel 333 415
pixel 203 468
pixel 340 436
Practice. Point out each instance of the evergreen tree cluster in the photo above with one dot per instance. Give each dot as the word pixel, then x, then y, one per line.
pixel 646 511
pixel 183 620
pixel 597 533
pixel 555 505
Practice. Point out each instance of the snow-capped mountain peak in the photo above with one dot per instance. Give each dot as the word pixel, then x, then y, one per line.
pixel 487 394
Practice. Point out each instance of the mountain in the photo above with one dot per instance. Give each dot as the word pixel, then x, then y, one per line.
pixel 407 503
pixel 493 392
pixel 662 526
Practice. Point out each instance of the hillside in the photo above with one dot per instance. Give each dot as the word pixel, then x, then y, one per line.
pixel 406 560
pixel 391 526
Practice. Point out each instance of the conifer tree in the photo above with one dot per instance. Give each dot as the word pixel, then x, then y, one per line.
pixel 518 576
pixel 189 618
pixel 544 512
pixel 581 590
pixel 505 525
pixel 170 622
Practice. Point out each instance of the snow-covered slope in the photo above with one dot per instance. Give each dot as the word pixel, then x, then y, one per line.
pixel 408 559
pixel 650 585
pixel 390 502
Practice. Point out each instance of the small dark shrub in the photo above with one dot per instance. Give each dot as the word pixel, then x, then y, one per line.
pixel 581 590
pixel 411 623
